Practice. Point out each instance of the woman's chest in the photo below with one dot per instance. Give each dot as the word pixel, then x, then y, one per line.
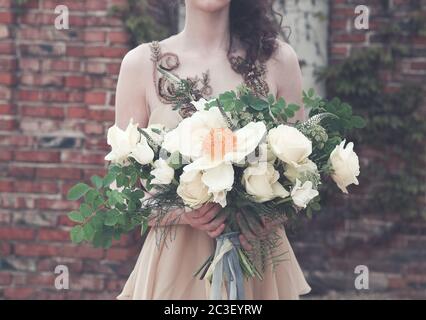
pixel 210 76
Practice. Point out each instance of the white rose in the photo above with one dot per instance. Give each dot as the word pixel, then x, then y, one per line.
pixel 289 144
pixel 156 132
pixel 163 173
pixel 261 181
pixel 127 143
pixel 345 164
pixel 297 171
pixel 303 194
pixel 142 152
pixel 192 189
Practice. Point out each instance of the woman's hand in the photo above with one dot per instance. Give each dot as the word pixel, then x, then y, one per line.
pixel 252 231
pixel 207 218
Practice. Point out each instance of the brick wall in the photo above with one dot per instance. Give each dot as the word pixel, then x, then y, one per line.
pixel 56 102
pixel 330 247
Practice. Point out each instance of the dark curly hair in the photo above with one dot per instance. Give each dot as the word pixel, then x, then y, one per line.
pixel 251 23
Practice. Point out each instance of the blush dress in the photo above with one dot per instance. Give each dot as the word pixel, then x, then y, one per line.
pixel 164 270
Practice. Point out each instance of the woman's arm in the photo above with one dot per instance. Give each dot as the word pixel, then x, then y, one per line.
pixel 131 103
pixel 288 77
pixel 130 97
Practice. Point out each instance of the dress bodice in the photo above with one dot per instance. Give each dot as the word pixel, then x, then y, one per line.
pixel 253 76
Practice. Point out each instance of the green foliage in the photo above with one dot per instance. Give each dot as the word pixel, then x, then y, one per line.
pixel 105 214
pixel 140 23
pixel 394 177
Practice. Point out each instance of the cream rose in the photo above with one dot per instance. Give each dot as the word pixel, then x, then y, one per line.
pixel 192 189
pixel 128 143
pixel 303 194
pixel 298 171
pixel 162 172
pixel 261 181
pixel 345 165
pixel 289 144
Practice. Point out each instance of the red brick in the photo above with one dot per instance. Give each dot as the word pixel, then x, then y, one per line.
pixel 6 155
pixel 119 254
pixel 18 171
pixel 5 278
pixel 7 78
pixel 13 233
pixel 59 173
pixel 7 48
pixel 37 156
pixel 44 112
pixel 94 36
pixel 75 82
pixel 36 250
pixel 44 280
pixel 77 112
pixel 101 115
pixel 83 158
pixel 7 109
pixel 97 98
pixel 118 37
pixel 95 128
pixel 44 187
pixel 6 186
pixel 49 204
pixel 53 235
pixel 5 249
pixel 8 124
pixel 81 251
pixel 18 293
pixel 6 17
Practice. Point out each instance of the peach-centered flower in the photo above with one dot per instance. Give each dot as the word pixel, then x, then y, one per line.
pixel 218 142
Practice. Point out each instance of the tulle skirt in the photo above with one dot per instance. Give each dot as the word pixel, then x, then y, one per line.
pixel 164 270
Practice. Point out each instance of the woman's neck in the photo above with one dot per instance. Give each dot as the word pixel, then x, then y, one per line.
pixel 208 32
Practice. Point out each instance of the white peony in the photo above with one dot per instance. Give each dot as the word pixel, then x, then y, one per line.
pixel 345 164
pixel 299 171
pixel 162 172
pixel 303 194
pixel 289 144
pixel 128 143
pixel 188 137
pixel 192 190
pixel 213 147
pixel 261 181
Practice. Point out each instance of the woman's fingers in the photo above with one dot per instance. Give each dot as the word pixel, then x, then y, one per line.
pixel 216 222
pixel 216 233
pixel 245 228
pixel 208 215
pixel 203 210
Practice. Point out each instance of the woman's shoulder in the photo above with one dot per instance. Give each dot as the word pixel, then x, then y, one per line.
pixel 137 58
pixel 283 63
pixel 284 54
pixel 140 56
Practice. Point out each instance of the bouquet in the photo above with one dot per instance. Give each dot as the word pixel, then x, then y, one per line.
pixel 237 150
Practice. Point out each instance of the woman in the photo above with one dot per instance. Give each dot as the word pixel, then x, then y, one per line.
pixel 224 43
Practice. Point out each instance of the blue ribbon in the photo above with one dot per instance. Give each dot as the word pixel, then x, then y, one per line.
pixel 228 269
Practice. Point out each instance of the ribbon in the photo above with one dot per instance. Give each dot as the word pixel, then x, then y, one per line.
pixel 226 269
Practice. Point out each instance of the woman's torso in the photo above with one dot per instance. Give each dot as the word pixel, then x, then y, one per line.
pixel 187 63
